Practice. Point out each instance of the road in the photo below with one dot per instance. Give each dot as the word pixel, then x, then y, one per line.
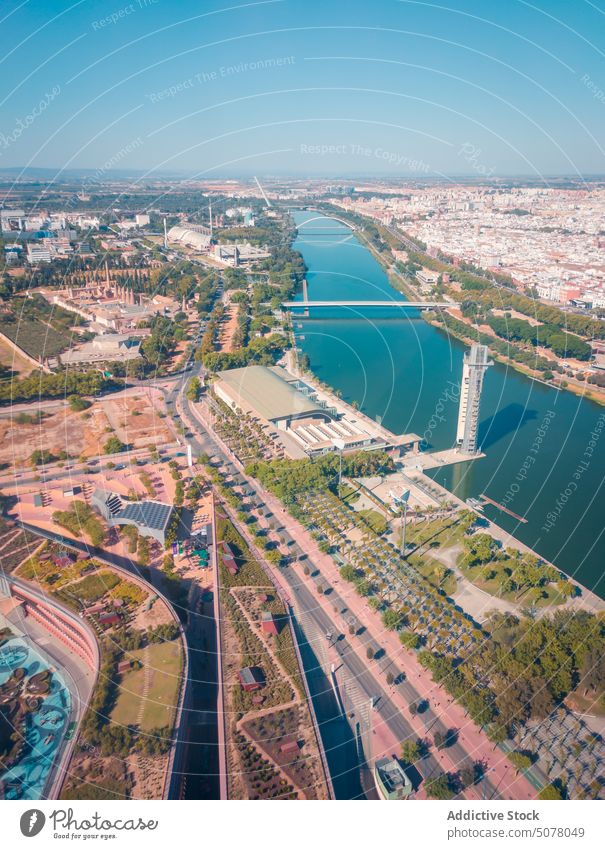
pixel 314 617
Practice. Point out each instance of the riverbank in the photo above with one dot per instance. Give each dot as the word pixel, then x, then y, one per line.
pixel 399 371
pixel 413 476
pixel 407 288
pixel 594 394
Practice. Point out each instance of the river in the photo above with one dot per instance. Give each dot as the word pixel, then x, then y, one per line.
pixel 545 449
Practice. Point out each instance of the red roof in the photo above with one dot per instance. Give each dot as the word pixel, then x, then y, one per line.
pixel 251 678
pixel 109 619
pixel 268 623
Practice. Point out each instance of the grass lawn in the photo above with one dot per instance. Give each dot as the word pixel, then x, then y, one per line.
pixel 165 662
pixel 545 596
pixel 427 567
pixel 375 520
pixel 348 495
pixel 439 533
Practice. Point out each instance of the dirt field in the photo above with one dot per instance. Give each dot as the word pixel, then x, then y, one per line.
pixel 228 328
pixel 135 420
pixel 11 359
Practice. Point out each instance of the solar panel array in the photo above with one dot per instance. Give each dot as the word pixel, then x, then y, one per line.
pixel 152 514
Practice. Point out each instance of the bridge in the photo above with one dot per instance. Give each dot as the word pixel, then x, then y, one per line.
pixel 416 305
pixel 323 217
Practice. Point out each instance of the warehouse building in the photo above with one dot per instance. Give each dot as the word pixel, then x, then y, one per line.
pixel 308 424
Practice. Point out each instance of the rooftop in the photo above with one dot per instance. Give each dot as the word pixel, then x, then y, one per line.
pixel 152 514
pixel 265 391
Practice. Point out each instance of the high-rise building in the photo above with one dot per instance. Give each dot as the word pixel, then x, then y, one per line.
pixel 476 363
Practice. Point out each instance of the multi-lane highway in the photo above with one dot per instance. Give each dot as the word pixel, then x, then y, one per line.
pixel 312 619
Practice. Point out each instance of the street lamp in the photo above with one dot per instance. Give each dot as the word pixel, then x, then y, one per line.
pixel 403 503
pixel 340 444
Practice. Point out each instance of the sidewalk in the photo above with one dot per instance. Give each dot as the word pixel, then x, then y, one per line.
pixel 474 741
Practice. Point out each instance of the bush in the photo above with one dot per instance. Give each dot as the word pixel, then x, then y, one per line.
pixel 77 403
pixel 91 588
pixel 113 446
pixel 81 518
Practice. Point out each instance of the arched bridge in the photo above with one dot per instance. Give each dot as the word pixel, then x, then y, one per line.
pixel 304 232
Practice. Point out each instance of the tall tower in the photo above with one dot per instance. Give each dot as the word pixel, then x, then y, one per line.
pixel 476 363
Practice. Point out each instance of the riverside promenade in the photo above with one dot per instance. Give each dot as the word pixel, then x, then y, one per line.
pixel 477 746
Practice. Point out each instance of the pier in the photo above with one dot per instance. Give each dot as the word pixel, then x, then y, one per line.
pixel 486 500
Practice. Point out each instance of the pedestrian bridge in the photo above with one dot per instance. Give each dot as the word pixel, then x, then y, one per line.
pixel 416 305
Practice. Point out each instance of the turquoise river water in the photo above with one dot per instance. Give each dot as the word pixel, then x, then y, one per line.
pixel 545 450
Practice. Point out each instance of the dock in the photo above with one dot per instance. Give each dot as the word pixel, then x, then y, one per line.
pixel 434 460
pixel 486 500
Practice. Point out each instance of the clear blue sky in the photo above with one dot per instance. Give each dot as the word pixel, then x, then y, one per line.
pixel 305 87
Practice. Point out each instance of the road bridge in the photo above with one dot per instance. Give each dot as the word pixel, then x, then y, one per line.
pixel 419 305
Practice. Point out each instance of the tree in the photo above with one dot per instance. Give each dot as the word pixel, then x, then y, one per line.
pixel 143 551
pixel 113 446
pixel 550 792
pixel 274 556
pixel 441 787
pixel 348 572
pixel 391 619
pixel 592 670
pixel 363 588
pixel 480 548
pixel 520 760
pixel 77 403
pixel 411 752
pixel 409 640
pixel 194 389
pixel 40 457
pixel 497 734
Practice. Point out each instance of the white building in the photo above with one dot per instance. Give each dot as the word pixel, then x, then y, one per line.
pixel 235 255
pixel 11 220
pixel 199 241
pixel 37 254
pixel 476 363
